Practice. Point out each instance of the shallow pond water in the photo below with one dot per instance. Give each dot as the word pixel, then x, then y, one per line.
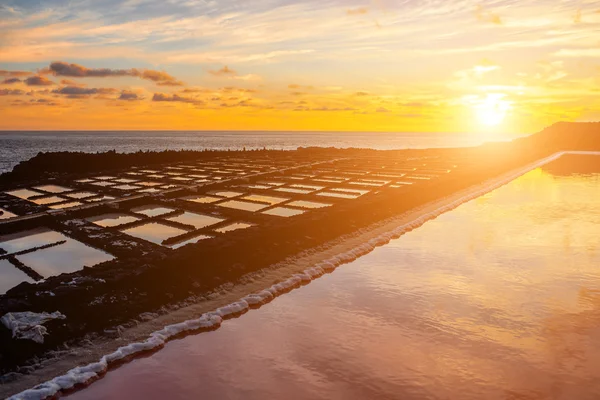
pixel 233 227
pixel 308 204
pixel 202 199
pixel 149 184
pixel 81 195
pixel 24 193
pixel 339 195
pixel 29 239
pixel 194 239
pixel 349 190
pixel 498 299
pixel 150 190
pixel 126 187
pixel 293 190
pixel 263 187
pixel 48 200
pixel 5 214
pixel 196 220
pixel 103 183
pixel 227 194
pixel 310 187
pixel 64 258
pixel 152 211
pixel 11 276
pixel 103 198
pixel 65 205
pixel 53 188
pixel 110 220
pixel 283 212
pixel 125 180
pixel 242 205
pixel 265 199
pixel 69 256
pixel 154 232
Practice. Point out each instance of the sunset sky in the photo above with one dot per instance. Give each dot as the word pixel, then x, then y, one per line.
pixel 382 65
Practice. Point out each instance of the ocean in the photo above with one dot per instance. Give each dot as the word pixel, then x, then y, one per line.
pixel 22 145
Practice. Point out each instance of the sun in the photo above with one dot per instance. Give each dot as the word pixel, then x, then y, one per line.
pixel 492 110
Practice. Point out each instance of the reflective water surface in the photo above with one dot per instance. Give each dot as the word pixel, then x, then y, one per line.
pixel 283 212
pixel 154 232
pixel 233 227
pixel 11 276
pixel 308 204
pixel 110 220
pixel 498 299
pixel 196 220
pixel 69 256
pixel 242 205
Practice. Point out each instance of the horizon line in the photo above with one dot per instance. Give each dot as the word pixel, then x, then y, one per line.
pixel 251 130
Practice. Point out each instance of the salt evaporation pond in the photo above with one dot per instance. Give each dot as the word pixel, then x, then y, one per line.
pixel 497 299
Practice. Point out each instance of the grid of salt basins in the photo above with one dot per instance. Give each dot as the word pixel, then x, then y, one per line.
pixel 171 223
pixel 304 189
pixel 136 181
pixel 158 179
pixel 37 254
pixel 201 215
pixel 55 197
pixel 168 226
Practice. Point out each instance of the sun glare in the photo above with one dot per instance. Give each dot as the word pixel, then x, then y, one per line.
pixel 492 110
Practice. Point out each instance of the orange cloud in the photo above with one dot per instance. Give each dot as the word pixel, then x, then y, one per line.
pixel 295 86
pixel 129 96
pixel 11 92
pixel 37 80
pixel 486 16
pixel 162 97
pixel 69 82
pixel 77 92
pixel 196 90
pixel 160 77
pixel 10 81
pixel 357 11
pixel 225 71
pixel 59 68
pixel 14 73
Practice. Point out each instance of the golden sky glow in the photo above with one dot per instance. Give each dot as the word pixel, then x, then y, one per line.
pixel 381 65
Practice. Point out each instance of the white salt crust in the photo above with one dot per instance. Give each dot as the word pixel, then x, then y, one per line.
pixel 212 320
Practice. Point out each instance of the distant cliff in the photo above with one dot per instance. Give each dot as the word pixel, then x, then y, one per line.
pixel 564 136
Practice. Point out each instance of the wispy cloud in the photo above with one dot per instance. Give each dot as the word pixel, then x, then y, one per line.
pixel 15 73
pixel 357 11
pixel 485 15
pixel 10 81
pixel 78 92
pixel 37 80
pixel 60 68
pixel 163 97
pixel 225 71
pixel 11 92
pixel 130 96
